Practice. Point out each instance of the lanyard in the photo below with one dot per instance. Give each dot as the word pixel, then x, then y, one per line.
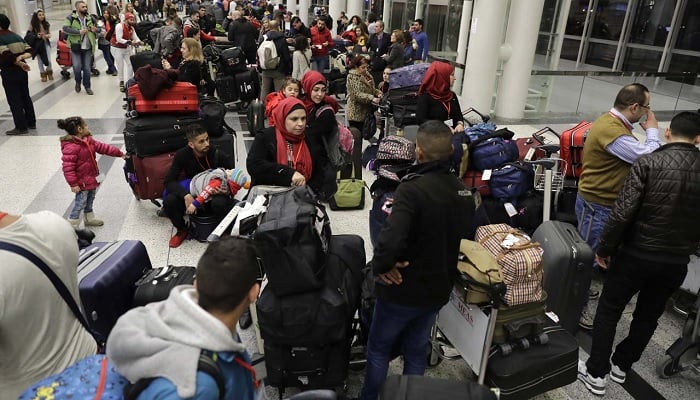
pixel 448 107
pixel 200 163
pixel 291 159
pixel 249 367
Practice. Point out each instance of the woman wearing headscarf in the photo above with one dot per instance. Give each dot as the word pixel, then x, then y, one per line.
pixel 284 155
pixel 436 100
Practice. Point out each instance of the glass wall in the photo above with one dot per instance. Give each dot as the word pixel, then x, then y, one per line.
pixel 689 32
pixel 652 22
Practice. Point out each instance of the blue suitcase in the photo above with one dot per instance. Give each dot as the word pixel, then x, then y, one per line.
pixel 107 276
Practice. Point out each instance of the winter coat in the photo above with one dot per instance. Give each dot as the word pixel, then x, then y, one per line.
pixel 79 163
pixel 71 27
pixel 361 91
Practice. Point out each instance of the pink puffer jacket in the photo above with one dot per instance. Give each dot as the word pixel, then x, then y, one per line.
pixel 79 163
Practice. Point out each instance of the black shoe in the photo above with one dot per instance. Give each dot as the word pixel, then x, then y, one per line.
pixel 32 126
pixel 89 91
pixel 16 132
pixel 246 320
pixel 77 87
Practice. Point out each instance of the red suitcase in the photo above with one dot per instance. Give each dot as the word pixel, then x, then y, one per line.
pixel 527 149
pixel 571 147
pixel 472 179
pixel 149 175
pixel 181 98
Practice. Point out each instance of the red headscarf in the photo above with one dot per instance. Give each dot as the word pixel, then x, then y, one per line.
pixel 436 81
pixel 308 81
pixel 300 156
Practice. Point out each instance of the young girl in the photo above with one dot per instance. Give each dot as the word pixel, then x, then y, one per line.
pixel 384 84
pixel 80 167
pixel 291 88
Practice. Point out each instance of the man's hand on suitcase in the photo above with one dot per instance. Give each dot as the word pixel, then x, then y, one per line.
pixel 394 277
pixel 602 262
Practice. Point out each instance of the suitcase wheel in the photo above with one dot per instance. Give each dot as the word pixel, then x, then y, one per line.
pixel 65 74
pixel 132 114
pixel 506 349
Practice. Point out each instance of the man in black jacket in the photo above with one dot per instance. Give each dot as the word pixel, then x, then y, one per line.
pixel 416 256
pixel 197 157
pixel 242 34
pixel 378 45
pixel 651 231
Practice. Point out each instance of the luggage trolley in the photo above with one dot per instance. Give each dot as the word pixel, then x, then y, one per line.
pixel 684 353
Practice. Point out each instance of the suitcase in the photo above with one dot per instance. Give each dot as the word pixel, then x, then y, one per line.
pixel 226 88
pixel 568 264
pixel 565 203
pixel 138 60
pixel 63 56
pixel 226 144
pixel 232 61
pixel 472 179
pixel 527 150
pixel 322 366
pixel 181 98
pixel 107 273
pixel 418 387
pixel 202 225
pixel 247 85
pixel 155 284
pixel 541 368
pixel 410 75
pixel 148 179
pixel 571 147
pixel 256 116
pixel 151 135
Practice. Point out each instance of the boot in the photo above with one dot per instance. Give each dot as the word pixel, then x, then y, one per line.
pixel 49 74
pixel 43 76
pixel 121 86
pixel 90 220
pixel 74 222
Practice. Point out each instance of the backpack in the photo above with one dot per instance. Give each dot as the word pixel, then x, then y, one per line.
pixel 339 143
pixel 268 58
pixel 212 112
pixel 95 377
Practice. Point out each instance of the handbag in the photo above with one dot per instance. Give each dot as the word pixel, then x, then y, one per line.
pixel 369 128
pixel 30 38
pixel 349 196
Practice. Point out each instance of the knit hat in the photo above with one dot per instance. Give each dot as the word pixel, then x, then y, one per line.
pixel 237 179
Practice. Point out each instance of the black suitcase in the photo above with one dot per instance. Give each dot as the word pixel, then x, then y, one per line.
pixel 202 225
pixel 138 60
pixel 565 209
pixel 226 144
pixel 156 284
pixel 226 89
pixel 256 116
pixel 152 135
pixel 248 85
pixel 309 367
pixel 541 368
pixel 417 387
pixel 567 262
pixel 107 273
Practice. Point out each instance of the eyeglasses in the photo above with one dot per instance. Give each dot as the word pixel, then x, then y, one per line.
pixel 648 106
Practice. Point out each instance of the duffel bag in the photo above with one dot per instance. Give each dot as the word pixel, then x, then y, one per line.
pixel 481 267
pixel 492 153
pixel 521 321
pixel 511 181
pixel 520 259
pixel 410 75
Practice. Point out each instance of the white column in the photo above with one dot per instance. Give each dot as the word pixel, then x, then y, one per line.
pixel 386 14
pixel 419 9
pixel 355 7
pixel 463 40
pixel 303 12
pixel 521 40
pixel 334 9
pixel 292 6
pixel 485 38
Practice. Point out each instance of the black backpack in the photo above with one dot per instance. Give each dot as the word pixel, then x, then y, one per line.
pixel 212 112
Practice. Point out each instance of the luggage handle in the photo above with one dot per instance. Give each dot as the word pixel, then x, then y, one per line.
pixel 514 326
pixel 539 135
pixel 484 118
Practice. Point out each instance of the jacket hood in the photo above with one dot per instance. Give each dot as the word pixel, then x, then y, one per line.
pixel 164 339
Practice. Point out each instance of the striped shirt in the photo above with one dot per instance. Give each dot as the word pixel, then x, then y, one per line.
pixel 628 148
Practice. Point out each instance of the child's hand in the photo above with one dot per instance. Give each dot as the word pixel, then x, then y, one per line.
pixel 124 156
pixel 75 189
pixel 191 209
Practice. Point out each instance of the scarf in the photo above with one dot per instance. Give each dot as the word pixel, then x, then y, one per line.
pixel 308 81
pixel 299 155
pixel 436 82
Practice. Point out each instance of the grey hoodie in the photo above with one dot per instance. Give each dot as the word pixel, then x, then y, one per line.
pixel 164 339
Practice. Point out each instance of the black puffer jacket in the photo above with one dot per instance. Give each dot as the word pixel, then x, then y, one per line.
pixel 656 213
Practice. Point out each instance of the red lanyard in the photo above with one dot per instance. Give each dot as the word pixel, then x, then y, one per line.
pixel 448 107
pixel 291 159
pixel 250 368
pixel 200 163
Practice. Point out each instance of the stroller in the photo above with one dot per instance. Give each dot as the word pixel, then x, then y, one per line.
pixel 63 57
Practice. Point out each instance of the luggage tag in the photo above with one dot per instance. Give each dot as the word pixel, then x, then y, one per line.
pixel 485 176
pixel 510 209
pixel 448 122
pixel 530 154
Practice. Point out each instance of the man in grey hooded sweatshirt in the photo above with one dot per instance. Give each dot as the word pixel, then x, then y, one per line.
pixel 165 339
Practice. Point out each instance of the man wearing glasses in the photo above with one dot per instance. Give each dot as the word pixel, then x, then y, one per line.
pixel 608 153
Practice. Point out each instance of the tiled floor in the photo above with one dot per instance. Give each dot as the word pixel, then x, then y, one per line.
pixel 32 180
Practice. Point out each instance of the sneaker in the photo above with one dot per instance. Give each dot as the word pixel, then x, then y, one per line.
pixel 177 239
pixel 586 320
pixel 16 132
pixel 593 294
pixel 594 385
pixel 77 87
pixel 617 375
pixel 89 91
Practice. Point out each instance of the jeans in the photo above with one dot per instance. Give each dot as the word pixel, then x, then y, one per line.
pixel 627 275
pixel 83 202
pixel 390 323
pixel 82 63
pixel 591 221
pixel 320 63
pixel 109 58
pixel 16 85
pixel 42 67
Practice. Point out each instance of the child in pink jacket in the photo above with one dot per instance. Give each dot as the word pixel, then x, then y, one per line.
pixel 80 167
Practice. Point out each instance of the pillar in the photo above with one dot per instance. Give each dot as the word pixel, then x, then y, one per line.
pixel 521 41
pixel 303 12
pixel 292 6
pixel 485 38
pixel 386 14
pixel 334 9
pixel 356 7
pixel 464 24
pixel 419 9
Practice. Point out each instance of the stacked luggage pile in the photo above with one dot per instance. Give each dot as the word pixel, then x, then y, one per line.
pixel 401 99
pixel 306 308
pixel 234 79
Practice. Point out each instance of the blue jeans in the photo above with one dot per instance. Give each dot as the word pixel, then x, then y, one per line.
pixel 320 63
pixel 109 59
pixel 83 202
pixel 591 221
pixel 390 323
pixel 82 64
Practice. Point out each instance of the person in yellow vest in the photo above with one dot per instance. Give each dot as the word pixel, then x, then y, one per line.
pixel 608 153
